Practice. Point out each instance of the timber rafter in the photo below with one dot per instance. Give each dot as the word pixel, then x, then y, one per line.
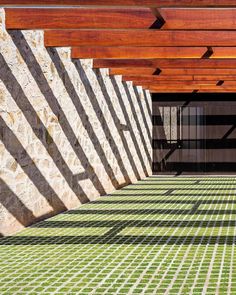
pixel 175 45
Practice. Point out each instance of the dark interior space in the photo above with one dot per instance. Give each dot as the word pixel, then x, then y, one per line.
pixel 194 133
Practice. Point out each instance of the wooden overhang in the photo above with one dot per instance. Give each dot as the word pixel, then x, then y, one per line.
pixel 132 3
pixel 163 46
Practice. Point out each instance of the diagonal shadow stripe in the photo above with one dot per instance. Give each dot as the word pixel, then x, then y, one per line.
pixel 126 240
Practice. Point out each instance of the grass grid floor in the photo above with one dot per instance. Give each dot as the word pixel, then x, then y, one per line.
pixel 159 236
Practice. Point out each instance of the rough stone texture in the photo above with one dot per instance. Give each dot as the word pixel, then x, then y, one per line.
pixel 68 133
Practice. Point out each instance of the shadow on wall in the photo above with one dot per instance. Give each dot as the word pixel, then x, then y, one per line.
pixel 9 199
pixel 85 119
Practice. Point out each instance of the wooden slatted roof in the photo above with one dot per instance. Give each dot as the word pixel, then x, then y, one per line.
pixel 164 45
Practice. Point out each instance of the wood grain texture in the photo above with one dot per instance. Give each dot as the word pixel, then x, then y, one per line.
pixel 232 90
pixel 178 78
pixel 79 18
pixel 172 72
pixel 176 84
pixel 166 63
pixel 138 52
pixel 194 86
pixel 132 71
pixel 215 77
pixel 159 78
pixel 195 71
pixel 172 91
pixel 200 19
pixel 192 90
pixel 75 38
pixel 139 3
pixel 150 52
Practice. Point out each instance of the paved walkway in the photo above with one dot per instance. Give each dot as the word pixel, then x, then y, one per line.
pixel 160 236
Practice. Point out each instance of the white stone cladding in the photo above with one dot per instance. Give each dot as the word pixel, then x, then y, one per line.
pixel 68 133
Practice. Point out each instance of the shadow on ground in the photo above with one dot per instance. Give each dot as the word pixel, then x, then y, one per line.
pixel 210 212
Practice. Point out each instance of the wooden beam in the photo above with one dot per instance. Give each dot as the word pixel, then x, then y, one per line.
pixel 166 63
pixel 191 71
pixel 79 18
pixel 132 71
pixel 171 91
pixel 151 52
pixel 218 90
pixel 155 82
pixel 199 19
pixel 192 90
pixel 228 83
pixel 184 87
pixel 181 84
pixel 143 81
pixel 139 3
pixel 215 77
pixel 172 72
pixel 138 52
pixel 159 78
pixel 75 38
pixel 223 52
pixel 177 78
pixel 124 63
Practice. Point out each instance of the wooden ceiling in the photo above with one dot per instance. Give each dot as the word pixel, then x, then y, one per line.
pixel 162 45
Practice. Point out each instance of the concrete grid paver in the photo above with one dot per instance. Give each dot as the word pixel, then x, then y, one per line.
pixel 162 235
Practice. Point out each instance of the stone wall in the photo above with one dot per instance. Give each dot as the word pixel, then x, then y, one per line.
pixel 68 133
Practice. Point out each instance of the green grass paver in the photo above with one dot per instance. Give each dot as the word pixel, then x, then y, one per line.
pixel 162 235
